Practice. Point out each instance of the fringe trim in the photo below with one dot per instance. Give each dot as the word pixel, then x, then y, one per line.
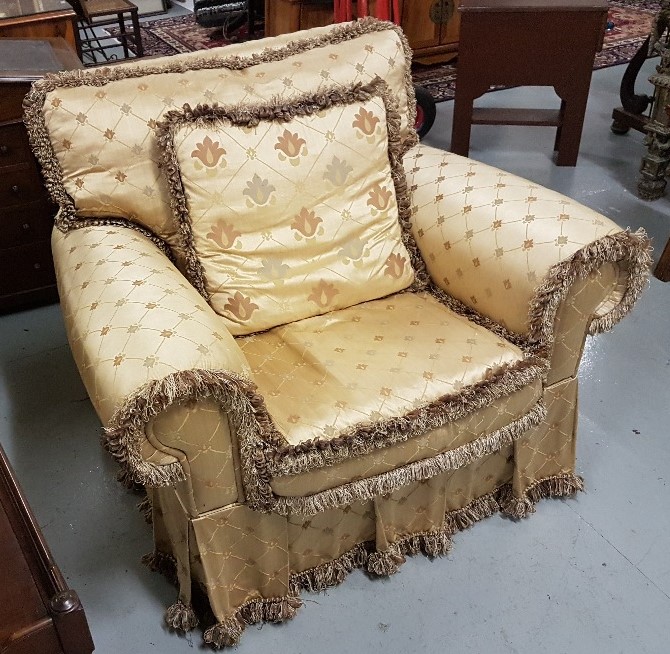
pixel 367 437
pixel 433 543
pixel 279 110
pixel 126 480
pixel 388 482
pixel 125 433
pixel 387 562
pixel 146 509
pixel 482 507
pixel 229 631
pixel 558 486
pixel 265 453
pixel 33 103
pixel 333 573
pixel 83 223
pixel 181 617
pixel 629 248
pixel 166 564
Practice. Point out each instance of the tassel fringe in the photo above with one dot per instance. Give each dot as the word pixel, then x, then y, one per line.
pixel 181 617
pixel 333 573
pixel 146 509
pixel 224 634
pixel 229 631
pixel 164 563
pixel 386 563
pixel 382 484
pixel 381 563
pixel 521 507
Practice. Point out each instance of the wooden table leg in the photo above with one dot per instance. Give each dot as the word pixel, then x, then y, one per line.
pixel 573 108
pixel 662 271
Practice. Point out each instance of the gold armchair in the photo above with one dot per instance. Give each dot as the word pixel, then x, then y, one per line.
pixel 277 457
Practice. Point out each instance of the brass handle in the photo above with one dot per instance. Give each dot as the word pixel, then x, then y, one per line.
pixel 442 11
pixel 15 188
pixel 4 149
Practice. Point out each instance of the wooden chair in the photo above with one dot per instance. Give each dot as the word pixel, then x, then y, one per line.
pixel 101 13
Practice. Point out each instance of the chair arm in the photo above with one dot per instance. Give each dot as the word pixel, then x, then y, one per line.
pixel 511 250
pixel 143 340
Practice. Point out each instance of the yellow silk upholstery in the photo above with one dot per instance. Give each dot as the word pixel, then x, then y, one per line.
pixel 453 435
pixel 281 460
pixel 380 359
pixel 272 246
pixel 489 237
pixel 131 316
pixel 101 123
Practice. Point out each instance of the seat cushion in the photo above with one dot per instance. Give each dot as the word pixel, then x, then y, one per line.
pixel 394 360
pixel 293 211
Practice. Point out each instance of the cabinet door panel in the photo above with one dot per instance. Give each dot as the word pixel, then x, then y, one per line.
pixel 417 24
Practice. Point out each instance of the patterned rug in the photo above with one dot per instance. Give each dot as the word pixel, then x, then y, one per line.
pixel 630 20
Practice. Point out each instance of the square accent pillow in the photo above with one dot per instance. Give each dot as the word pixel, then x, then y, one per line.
pixel 290 210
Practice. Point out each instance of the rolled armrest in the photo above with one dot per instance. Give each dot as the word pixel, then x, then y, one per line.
pixel 143 340
pixel 511 250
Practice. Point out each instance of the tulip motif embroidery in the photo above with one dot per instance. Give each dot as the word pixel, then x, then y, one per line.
pixel 224 234
pixel 208 154
pixel 240 306
pixel 323 294
pixel 291 146
pixel 379 199
pixel 354 252
pixel 306 224
pixel 365 124
pixel 337 172
pixel 259 192
pixel 395 266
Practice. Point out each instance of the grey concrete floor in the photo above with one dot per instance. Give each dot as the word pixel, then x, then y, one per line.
pixel 587 575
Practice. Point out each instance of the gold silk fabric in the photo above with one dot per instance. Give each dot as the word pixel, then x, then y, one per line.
pixel 376 360
pixel 131 317
pixel 95 133
pixel 498 415
pixel 488 237
pixel 289 219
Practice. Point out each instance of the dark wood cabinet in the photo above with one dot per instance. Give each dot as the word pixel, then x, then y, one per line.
pixel 26 214
pixel 431 26
pixel 39 614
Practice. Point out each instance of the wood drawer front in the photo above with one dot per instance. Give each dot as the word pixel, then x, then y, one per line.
pixel 26 267
pixel 26 223
pixel 20 186
pixel 14 146
pixel 11 100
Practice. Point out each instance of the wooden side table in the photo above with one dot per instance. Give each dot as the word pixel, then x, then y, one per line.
pixel 38 19
pixel 39 614
pixel 528 43
pixel 26 214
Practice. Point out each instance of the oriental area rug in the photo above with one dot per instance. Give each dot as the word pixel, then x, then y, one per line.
pixel 629 23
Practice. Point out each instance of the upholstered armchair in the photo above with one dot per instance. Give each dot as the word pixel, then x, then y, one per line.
pixel 317 344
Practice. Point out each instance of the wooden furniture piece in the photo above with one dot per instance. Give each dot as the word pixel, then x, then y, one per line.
pixel 431 26
pixel 92 46
pixel 39 614
pixel 662 270
pixel 26 214
pixel 649 114
pixel 38 19
pixel 528 43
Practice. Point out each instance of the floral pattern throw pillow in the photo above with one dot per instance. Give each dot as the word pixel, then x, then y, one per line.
pixel 291 211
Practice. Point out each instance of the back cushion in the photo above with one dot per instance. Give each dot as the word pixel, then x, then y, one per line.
pixel 94 131
pixel 293 211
